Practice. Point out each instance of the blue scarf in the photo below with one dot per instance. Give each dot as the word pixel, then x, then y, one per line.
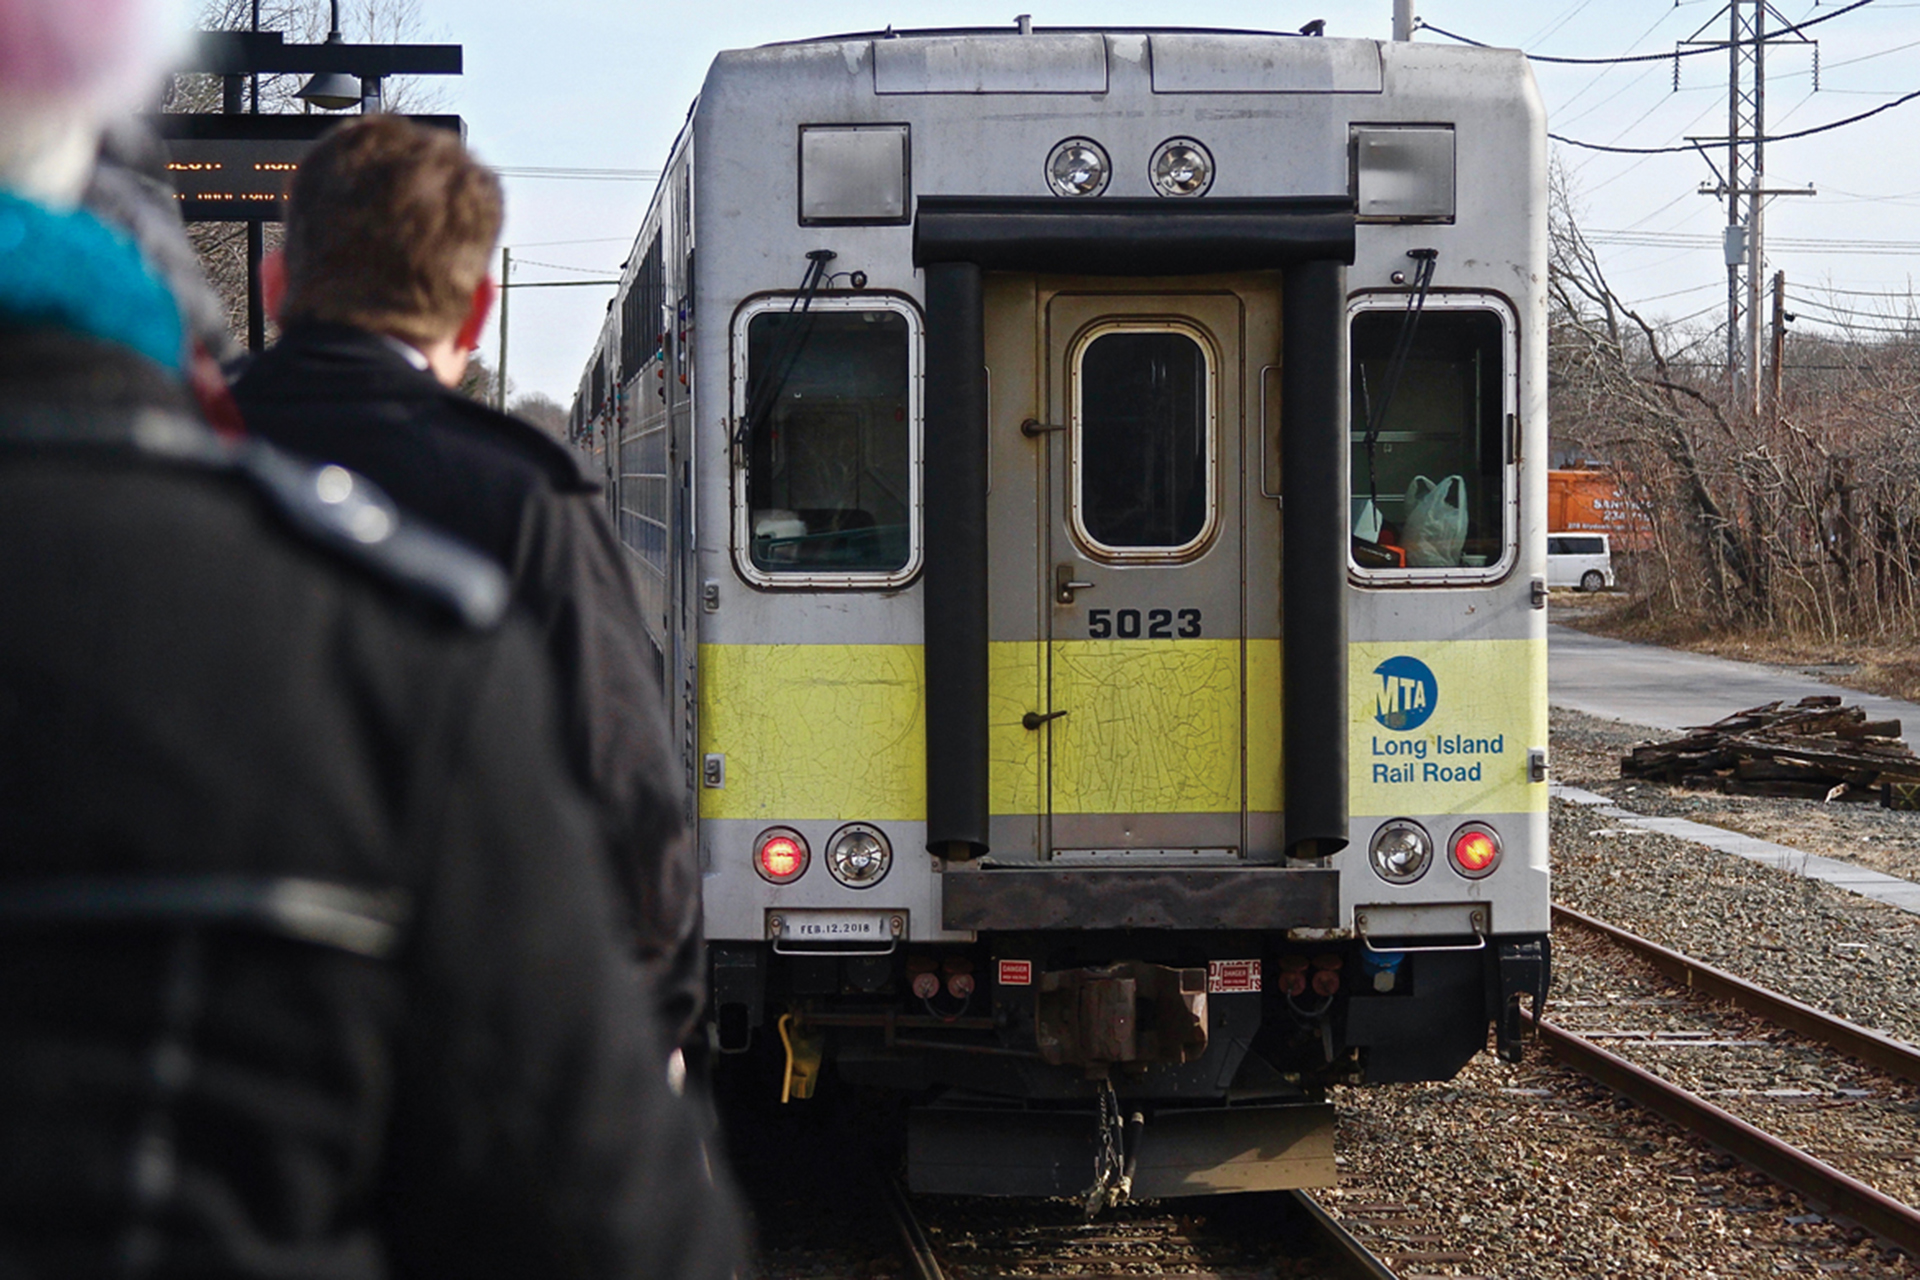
pixel 71 271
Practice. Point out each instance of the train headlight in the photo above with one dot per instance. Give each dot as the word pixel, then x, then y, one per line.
pixel 1078 167
pixel 1475 850
pixel 858 856
pixel 1401 851
pixel 1181 167
pixel 780 855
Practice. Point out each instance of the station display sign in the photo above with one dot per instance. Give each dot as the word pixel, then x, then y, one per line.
pixel 235 168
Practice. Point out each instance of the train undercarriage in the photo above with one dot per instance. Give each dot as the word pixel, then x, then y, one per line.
pixel 1035 1062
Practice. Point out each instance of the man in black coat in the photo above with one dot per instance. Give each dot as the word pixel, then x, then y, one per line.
pixel 305 966
pixel 382 292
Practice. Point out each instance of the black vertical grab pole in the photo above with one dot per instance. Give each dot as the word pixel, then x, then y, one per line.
pixel 1314 488
pixel 954 581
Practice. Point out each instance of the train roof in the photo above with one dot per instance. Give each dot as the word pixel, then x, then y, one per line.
pixel 913 33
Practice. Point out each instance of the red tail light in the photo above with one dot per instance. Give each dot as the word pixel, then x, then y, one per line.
pixel 780 855
pixel 1476 850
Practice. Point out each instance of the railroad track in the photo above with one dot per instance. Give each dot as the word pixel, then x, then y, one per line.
pixel 1791 1166
pixel 1279 1234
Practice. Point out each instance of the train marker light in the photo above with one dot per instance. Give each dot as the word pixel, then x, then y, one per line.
pixel 1476 850
pixel 1181 167
pixel 1401 851
pixel 780 855
pixel 1404 173
pixel 858 856
pixel 855 173
pixel 1078 167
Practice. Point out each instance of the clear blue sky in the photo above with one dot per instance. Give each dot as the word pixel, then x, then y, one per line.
pixel 605 84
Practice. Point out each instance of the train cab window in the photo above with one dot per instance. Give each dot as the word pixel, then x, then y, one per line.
pixel 827 420
pixel 1143 452
pixel 1433 491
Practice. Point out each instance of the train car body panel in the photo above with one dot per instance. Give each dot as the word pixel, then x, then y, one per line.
pixel 1106 630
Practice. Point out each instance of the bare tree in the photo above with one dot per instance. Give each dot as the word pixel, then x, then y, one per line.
pixel 479 382
pixel 1806 519
pixel 543 411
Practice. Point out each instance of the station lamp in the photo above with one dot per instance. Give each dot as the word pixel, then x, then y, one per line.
pixel 332 90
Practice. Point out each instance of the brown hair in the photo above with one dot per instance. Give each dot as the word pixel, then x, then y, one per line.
pixel 390 226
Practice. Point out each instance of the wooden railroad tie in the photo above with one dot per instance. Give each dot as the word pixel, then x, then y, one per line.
pixel 1813 749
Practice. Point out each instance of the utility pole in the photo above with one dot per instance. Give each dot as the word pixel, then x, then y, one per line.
pixel 1743 185
pixel 506 288
pixel 1403 20
pixel 500 374
pixel 1779 339
pixel 256 243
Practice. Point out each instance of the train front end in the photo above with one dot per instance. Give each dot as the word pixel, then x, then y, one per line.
pixel 1121 649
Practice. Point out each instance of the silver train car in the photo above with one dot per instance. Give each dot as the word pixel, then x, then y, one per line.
pixel 1088 488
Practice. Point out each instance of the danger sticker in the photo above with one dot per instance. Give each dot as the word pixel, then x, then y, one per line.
pixel 1016 973
pixel 1225 977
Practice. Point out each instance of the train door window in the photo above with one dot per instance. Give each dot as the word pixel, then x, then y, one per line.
pixel 1142 400
pixel 827 424
pixel 1433 396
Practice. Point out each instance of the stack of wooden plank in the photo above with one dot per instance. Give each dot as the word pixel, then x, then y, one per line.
pixel 1813 749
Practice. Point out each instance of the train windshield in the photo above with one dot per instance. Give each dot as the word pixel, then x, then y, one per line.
pixel 829 440
pixel 1429 439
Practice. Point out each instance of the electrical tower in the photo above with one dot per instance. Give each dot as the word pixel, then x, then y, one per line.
pixel 1743 182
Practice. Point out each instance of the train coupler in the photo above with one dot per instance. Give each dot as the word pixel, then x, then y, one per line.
pixel 1121 1013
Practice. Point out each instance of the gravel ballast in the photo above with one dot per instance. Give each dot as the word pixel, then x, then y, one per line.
pixel 1533 1171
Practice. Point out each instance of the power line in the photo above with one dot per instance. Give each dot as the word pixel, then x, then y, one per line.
pixel 1801 244
pixel 578 174
pixel 1849 319
pixel 559 266
pixel 1603 73
pixel 1558 22
pixel 546 244
pixel 1677 293
pixel 1423 25
pixel 1864 293
pixel 1790 29
pixel 1772 137
pixel 1868 57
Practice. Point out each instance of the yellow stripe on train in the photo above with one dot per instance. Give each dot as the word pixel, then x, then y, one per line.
pixel 815 731
pixel 839 731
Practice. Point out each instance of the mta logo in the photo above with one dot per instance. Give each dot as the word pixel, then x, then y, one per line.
pixel 1407 693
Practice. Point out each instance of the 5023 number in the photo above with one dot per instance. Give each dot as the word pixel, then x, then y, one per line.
pixel 1153 624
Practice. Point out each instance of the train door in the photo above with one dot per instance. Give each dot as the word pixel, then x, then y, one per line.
pixel 1142 524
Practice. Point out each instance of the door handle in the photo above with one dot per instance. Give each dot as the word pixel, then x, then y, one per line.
pixel 1065 584
pixel 1034 719
pixel 1033 428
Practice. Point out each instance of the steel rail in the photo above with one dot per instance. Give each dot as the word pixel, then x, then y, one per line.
pixel 1842 1195
pixel 1362 1261
pixel 1892 1056
pixel 919 1249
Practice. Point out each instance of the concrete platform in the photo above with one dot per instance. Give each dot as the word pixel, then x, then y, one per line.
pixel 1852 877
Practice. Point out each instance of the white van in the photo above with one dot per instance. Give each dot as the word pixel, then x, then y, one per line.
pixel 1580 560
